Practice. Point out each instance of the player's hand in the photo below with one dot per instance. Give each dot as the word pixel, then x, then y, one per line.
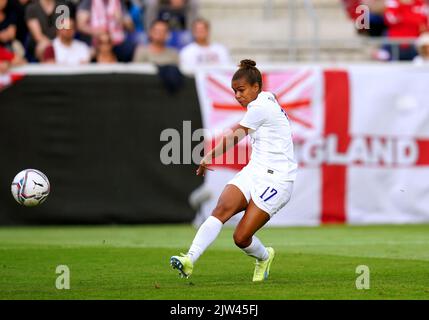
pixel 202 168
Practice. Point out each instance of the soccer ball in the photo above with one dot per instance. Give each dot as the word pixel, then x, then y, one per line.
pixel 30 187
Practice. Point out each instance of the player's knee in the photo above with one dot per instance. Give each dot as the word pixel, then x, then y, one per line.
pixel 222 212
pixel 241 240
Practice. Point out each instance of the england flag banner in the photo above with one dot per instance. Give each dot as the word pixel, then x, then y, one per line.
pixel 361 136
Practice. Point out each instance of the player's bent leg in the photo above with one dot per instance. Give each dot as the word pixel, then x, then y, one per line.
pixel 230 203
pixel 254 219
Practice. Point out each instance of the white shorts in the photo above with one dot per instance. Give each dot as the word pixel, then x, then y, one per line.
pixel 269 192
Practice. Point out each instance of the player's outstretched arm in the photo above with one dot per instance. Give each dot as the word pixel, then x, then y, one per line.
pixel 230 139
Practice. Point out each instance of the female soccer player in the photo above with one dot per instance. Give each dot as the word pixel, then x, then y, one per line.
pixel 261 188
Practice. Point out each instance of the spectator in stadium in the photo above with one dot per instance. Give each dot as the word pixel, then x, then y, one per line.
pixel 377 26
pixel 96 17
pixel 8 60
pixel 156 51
pixel 422 45
pixel 179 14
pixel 405 19
pixel 41 17
pixel 7 24
pixel 8 29
pixel 104 49
pixel 18 7
pixel 135 9
pixel 68 50
pixel 202 52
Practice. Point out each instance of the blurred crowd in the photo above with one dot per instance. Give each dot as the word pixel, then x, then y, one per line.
pixel 75 32
pixel 404 22
pixel 170 32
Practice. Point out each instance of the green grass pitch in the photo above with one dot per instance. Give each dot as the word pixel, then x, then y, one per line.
pixel 132 262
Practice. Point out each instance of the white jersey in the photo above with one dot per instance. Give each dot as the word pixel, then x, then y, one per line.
pixel 193 56
pixel 75 54
pixel 271 137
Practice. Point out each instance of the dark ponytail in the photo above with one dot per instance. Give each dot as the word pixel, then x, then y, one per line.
pixel 247 69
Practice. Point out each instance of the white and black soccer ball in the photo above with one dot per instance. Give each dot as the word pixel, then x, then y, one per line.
pixel 30 187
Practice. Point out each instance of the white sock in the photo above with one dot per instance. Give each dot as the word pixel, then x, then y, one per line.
pixel 256 249
pixel 207 233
